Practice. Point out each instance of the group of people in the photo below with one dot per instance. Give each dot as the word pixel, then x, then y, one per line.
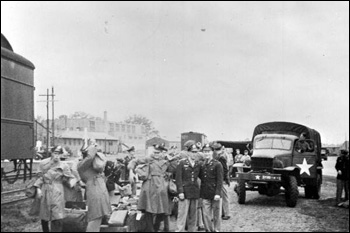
pixel 201 174
pixel 60 180
pixel 201 177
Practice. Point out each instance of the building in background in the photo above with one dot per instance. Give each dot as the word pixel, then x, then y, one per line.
pixel 128 134
pixel 74 140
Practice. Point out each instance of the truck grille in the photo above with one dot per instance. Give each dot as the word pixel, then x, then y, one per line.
pixel 262 164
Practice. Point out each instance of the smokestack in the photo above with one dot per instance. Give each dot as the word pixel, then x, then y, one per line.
pixel 105 116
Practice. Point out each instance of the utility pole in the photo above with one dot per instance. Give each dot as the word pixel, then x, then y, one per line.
pixel 53 118
pixel 48 119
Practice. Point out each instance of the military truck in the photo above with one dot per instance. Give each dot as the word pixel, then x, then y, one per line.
pixel 277 163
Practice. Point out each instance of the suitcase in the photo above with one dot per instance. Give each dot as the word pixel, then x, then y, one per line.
pixel 136 225
pixel 118 218
pixel 75 221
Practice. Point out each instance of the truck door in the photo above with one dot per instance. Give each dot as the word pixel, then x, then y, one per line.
pixel 304 158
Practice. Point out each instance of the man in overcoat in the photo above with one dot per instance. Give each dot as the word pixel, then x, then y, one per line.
pixel 154 200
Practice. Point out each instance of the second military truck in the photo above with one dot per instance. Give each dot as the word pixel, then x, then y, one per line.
pixel 277 162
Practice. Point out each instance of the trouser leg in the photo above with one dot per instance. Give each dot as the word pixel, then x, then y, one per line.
pixel 167 223
pixel 346 188
pixel 217 205
pixel 149 222
pixel 94 225
pixel 340 185
pixel 192 213
pixel 225 201
pixel 57 225
pixel 208 215
pixel 230 171
pixel 182 215
pixel 45 226
pixel 159 218
pixel 133 188
pixel 200 217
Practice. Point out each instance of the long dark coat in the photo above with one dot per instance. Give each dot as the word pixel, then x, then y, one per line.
pixel 154 190
pixel 97 197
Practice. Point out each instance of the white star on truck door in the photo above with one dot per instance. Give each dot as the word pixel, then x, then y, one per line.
pixel 304 167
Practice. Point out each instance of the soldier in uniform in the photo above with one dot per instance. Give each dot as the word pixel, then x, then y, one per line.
pixel 97 198
pixel 211 175
pixel 154 200
pixel 128 174
pixel 188 188
pixel 218 155
pixel 53 174
pixel 342 167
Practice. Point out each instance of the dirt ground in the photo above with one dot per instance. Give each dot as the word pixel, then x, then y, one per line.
pixel 260 213
pixel 269 214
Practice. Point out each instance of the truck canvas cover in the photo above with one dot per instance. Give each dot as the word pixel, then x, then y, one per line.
pixel 289 128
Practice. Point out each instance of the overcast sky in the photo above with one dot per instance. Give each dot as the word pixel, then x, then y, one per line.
pixel 219 68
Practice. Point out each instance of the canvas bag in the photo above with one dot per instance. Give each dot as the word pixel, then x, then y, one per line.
pixel 30 190
pixel 142 171
pixel 35 207
pixel 172 189
pixel 99 162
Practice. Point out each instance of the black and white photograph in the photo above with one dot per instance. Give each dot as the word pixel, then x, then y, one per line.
pixel 174 116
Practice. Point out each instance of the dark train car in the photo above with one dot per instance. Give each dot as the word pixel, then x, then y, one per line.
pixel 17 105
pixel 197 137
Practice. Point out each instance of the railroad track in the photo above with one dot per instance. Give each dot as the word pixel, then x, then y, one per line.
pixel 13 196
pixel 21 176
pixel 17 195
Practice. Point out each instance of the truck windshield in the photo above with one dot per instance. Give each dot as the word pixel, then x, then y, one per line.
pixel 273 143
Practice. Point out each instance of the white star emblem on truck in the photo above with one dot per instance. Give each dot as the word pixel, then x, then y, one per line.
pixel 304 167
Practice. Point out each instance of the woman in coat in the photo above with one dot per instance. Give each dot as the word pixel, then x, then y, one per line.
pixel 97 198
pixel 53 174
pixel 154 191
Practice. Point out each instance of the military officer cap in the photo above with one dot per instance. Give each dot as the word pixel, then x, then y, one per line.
pixel 158 147
pixel 217 146
pixel 189 143
pixel 57 149
pixel 193 148
pixel 207 147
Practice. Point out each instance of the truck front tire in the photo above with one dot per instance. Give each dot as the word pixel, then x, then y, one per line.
pixel 241 191
pixel 292 191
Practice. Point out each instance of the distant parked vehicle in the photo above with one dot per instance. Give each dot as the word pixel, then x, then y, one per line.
pixel 324 153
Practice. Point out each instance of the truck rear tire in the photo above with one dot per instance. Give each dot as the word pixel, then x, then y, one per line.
pixel 241 191
pixel 317 189
pixel 292 192
pixel 314 191
pixel 308 191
